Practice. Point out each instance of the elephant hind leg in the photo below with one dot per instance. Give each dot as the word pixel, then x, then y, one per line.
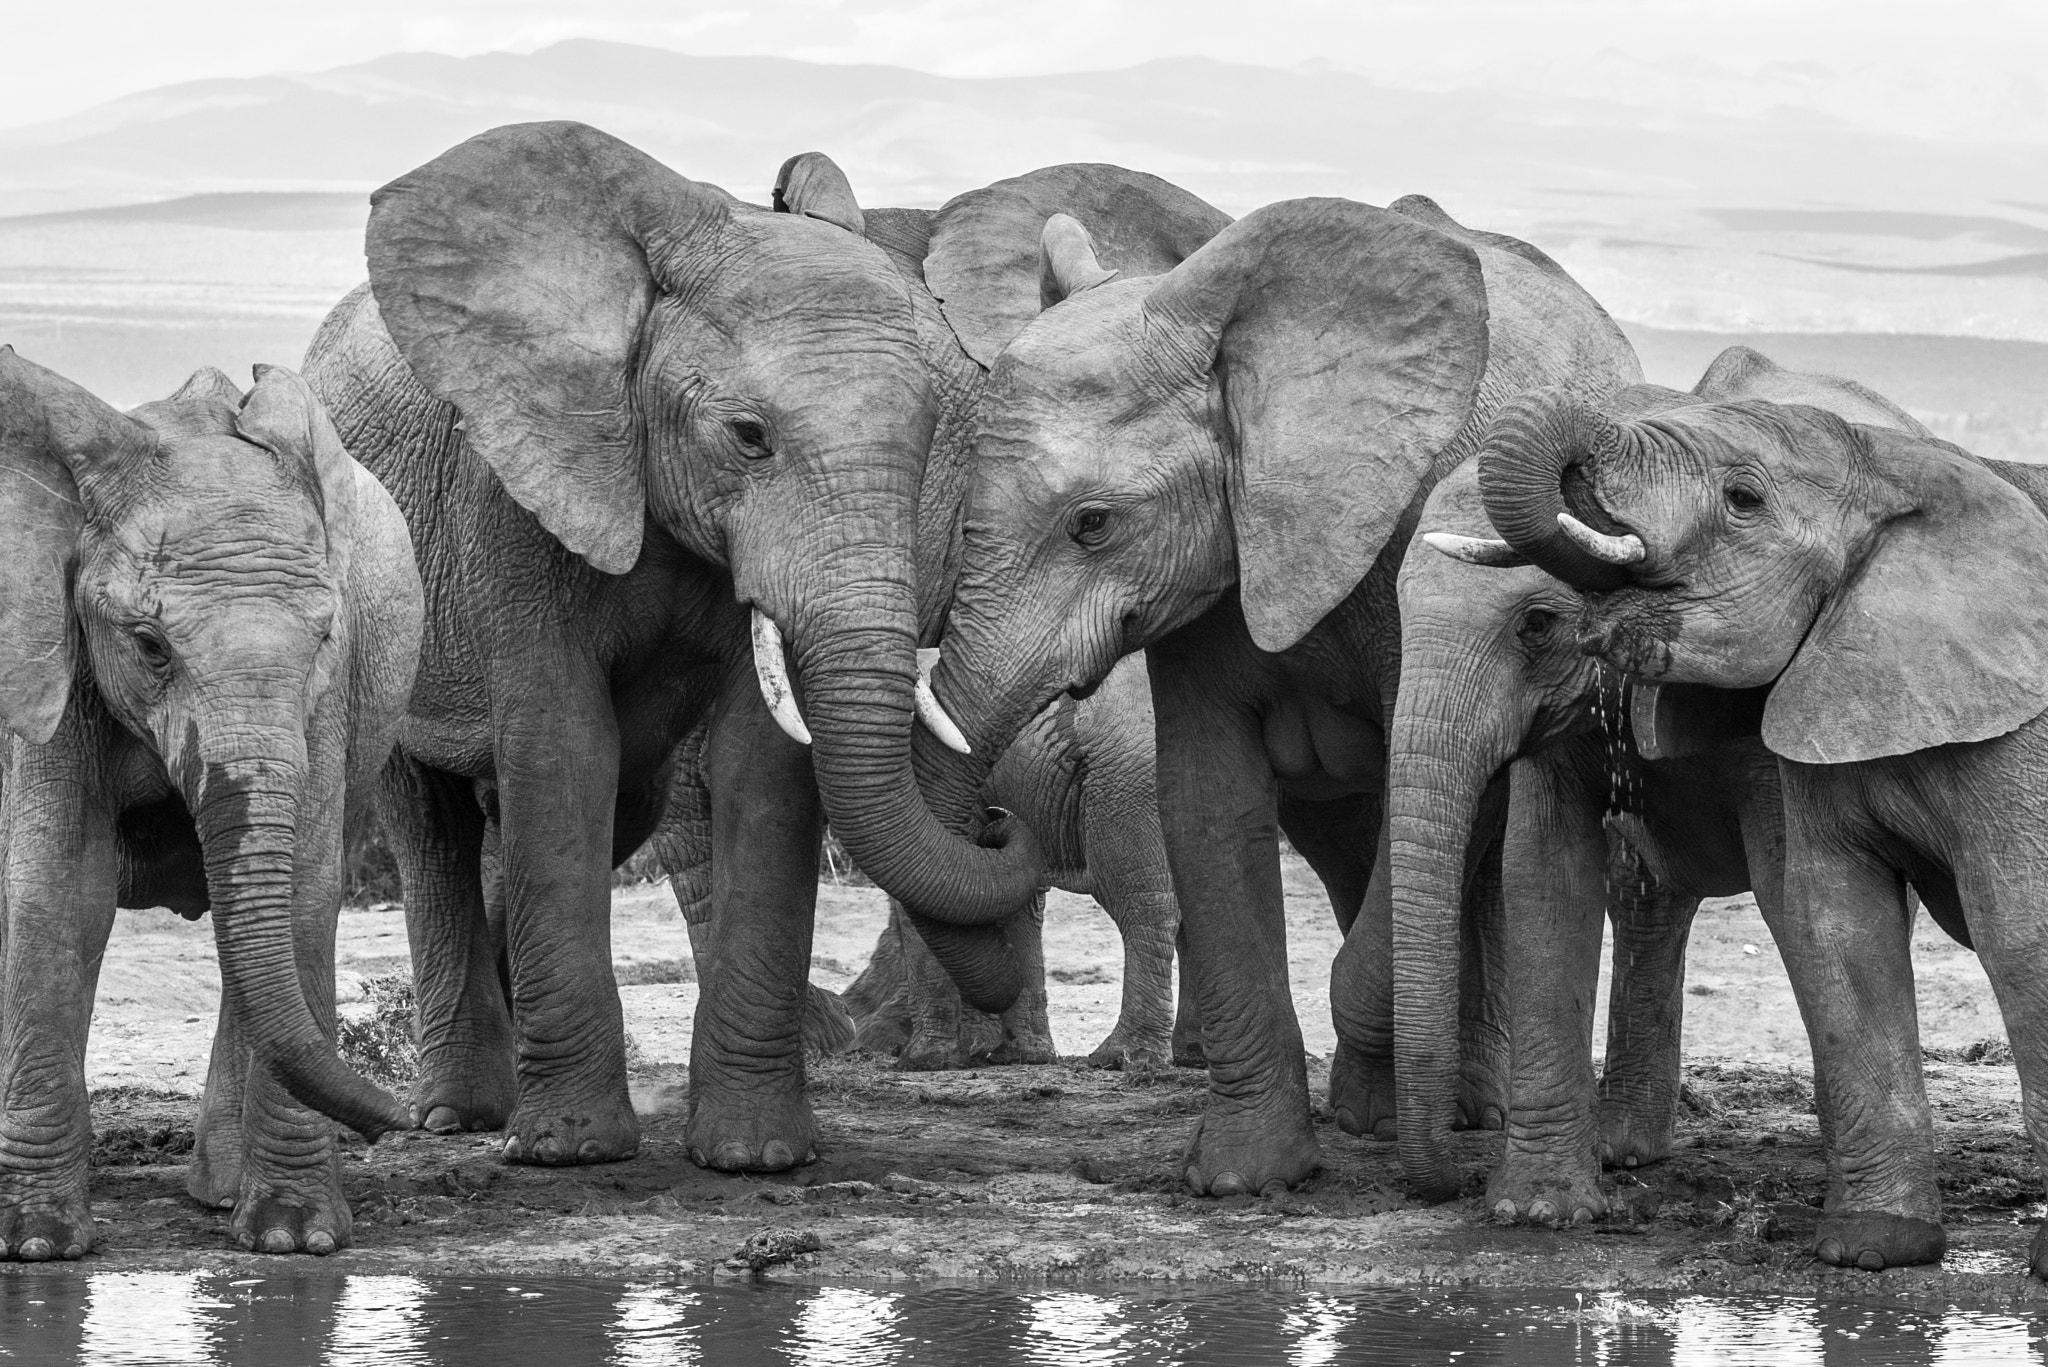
pixel 437 828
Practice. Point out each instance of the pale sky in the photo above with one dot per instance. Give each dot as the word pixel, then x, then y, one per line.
pixel 59 56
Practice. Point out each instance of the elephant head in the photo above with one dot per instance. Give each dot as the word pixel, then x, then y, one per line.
pixel 1881 583
pixel 628 348
pixel 1491 669
pixel 184 567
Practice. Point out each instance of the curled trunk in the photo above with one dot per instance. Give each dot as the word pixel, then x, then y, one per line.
pixel 1533 467
pixel 246 822
pixel 1439 766
pixel 957 880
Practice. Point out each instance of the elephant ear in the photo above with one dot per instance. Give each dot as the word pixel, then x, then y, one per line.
pixel 1742 373
pixel 53 437
pixel 1940 635
pixel 514 272
pixel 811 184
pixel 985 258
pixel 283 415
pixel 1349 343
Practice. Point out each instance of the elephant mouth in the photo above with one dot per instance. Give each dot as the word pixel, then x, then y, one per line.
pixel 1083 692
pixel 1637 639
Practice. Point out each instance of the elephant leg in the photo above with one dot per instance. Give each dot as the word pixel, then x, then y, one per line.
pixel 214 1176
pixel 879 999
pixel 557 755
pixel 1553 861
pixel 1188 1051
pixel 1217 810
pixel 57 892
pixel 467 1051
pixel 1362 1000
pixel 749 1112
pixel 1143 1036
pixel 939 1028
pixel 2007 928
pixel 1645 1015
pixel 1337 837
pixel 1845 936
pixel 1116 792
pixel 1485 1043
pixel 1027 1025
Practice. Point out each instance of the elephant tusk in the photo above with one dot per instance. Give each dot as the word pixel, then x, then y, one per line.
pixel 1615 550
pixel 1476 550
pixel 773 675
pixel 928 710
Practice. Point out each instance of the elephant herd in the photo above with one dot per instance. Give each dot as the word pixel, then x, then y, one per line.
pixel 1071 533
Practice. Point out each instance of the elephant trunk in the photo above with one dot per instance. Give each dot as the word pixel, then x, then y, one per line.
pixel 246 816
pixel 1534 478
pixel 858 680
pixel 1443 755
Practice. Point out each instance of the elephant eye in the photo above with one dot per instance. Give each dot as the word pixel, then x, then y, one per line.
pixel 1537 623
pixel 752 437
pixel 153 649
pixel 1089 526
pixel 1744 499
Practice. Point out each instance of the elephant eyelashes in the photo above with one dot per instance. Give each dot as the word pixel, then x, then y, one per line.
pixel 1089 526
pixel 753 439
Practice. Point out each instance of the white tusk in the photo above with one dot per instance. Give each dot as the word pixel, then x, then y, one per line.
pixel 928 710
pixel 1476 550
pixel 773 676
pixel 1615 550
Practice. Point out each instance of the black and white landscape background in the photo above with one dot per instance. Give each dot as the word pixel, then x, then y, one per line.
pixel 1853 187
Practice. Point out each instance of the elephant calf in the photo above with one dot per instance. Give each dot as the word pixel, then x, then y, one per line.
pixel 209 618
pixel 1888 595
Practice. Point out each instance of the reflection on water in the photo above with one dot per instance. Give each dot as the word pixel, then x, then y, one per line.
pixel 124 1319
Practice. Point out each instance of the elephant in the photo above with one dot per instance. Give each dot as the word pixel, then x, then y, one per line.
pixel 209 620
pixel 1215 459
pixel 1634 803
pixel 655 446
pixel 1883 597
pixel 1081 774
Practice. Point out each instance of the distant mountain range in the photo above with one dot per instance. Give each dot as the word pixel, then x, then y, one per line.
pixel 1239 135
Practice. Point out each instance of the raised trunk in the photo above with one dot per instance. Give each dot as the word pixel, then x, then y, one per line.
pixel 1534 467
pixel 246 816
pixel 857 679
pixel 1439 764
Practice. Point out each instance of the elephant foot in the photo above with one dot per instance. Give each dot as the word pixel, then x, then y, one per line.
pixel 1024 1049
pixel 1629 1141
pixel 1245 1153
pixel 2037 1253
pixel 212 1182
pixel 828 1029
pixel 1132 1050
pixel 932 1051
pixel 1874 1240
pixel 548 1135
pixel 1188 1051
pixel 292 1210
pixel 37 1224
pixel 752 1133
pixel 1526 1190
pixel 1362 1093
pixel 1482 1102
pixel 458 1095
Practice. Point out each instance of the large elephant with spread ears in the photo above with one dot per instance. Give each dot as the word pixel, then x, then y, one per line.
pixel 1884 598
pixel 1629 802
pixel 209 618
pixel 655 446
pixel 1217 460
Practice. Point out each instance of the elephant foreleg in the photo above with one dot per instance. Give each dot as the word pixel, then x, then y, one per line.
pixel 748 1108
pixel 1645 1014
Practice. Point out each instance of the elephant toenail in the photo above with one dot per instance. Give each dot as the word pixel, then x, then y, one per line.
pixel 1870 1260
pixel 74 1251
pixel 37 1250
pixel 1630 1161
pixel 1193 1177
pixel 588 1151
pixel 1226 1183
pixel 1503 1210
pixel 1276 1187
pixel 443 1120
pixel 1346 1121
pixel 1493 1119
pixel 731 1156
pixel 246 1240
pixel 319 1243
pixel 1830 1251
pixel 775 1156
pixel 550 1150
pixel 279 1241
pixel 1543 1211
pixel 1582 1215
pixel 514 1150
pixel 1387 1130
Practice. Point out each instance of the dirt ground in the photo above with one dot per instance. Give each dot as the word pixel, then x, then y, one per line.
pixel 1062 1172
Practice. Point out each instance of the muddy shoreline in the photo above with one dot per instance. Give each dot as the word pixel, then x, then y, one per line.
pixel 1060 1173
